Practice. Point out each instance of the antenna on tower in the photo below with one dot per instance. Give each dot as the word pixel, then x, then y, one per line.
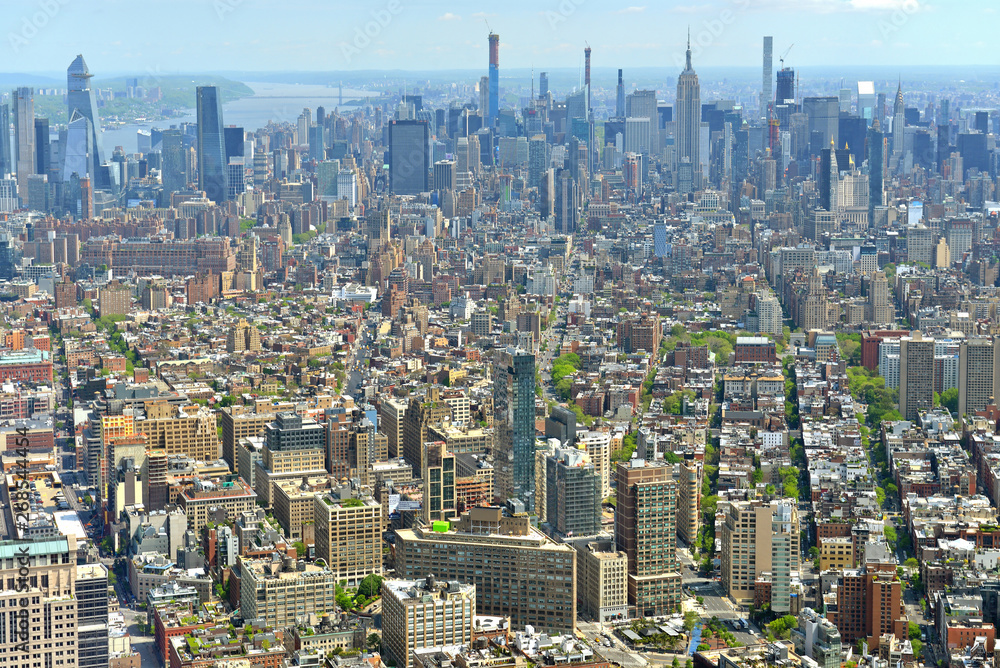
pixel 487 25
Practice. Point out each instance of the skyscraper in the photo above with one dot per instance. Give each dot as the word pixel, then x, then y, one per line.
pixel 211 145
pixel 898 122
pixel 43 151
pixel 687 143
pixel 6 167
pixel 916 375
pixel 80 97
pixel 876 172
pixel 642 105
pixel 494 108
pixel 786 85
pixel 514 421
pixel 573 493
pixel 620 97
pixel 824 118
pixel 760 537
pixel 24 137
pixel 978 373
pixel 645 528
pixel 173 165
pixel 765 88
pixel 409 157
pixel 78 154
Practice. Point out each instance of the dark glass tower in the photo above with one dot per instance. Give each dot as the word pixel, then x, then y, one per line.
pixel 173 171
pixel 211 144
pixel 514 409
pixel 43 151
pixel 786 85
pixel 409 158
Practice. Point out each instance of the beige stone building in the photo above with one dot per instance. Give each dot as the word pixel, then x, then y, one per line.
pixel 233 495
pixel 425 613
pixel 602 573
pixel 761 538
pixel 348 534
pixel 529 578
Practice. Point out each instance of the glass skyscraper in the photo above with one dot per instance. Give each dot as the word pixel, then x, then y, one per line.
pixel 211 145
pixel 80 97
pixel 514 411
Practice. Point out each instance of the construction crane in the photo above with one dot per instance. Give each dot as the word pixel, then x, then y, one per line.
pixel 781 60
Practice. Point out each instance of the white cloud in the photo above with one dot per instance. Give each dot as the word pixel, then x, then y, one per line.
pixel 448 16
pixel 632 10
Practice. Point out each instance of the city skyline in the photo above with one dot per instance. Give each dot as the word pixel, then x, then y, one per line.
pixel 220 36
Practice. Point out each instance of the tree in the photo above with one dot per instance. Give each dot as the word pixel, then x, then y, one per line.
pixel 374 641
pixel 911 563
pixel 676 663
pixel 949 399
pixel 371 586
pixel 914 631
pixel 300 549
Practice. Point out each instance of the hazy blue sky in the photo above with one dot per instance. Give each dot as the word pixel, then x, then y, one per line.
pixel 170 36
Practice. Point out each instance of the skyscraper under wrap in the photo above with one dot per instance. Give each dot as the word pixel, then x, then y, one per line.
pixel 80 97
pixel 494 110
pixel 514 420
pixel 687 143
pixel 211 145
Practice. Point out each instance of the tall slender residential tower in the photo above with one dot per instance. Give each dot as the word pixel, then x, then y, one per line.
pixel 494 110
pixel 24 137
pixel 591 144
pixel 688 138
pixel 211 145
pixel 765 88
pixel 6 167
pixel 620 98
pixel 514 422
pixel 80 97
pixel 876 171
pixel 898 122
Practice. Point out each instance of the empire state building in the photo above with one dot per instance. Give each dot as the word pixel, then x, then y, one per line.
pixel 689 116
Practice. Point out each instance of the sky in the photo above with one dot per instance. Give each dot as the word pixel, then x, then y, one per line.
pixel 148 37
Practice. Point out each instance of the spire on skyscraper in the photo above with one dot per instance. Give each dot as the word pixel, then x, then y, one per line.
pixel 688 61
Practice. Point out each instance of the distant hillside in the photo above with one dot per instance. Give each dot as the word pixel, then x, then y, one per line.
pixel 178 93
